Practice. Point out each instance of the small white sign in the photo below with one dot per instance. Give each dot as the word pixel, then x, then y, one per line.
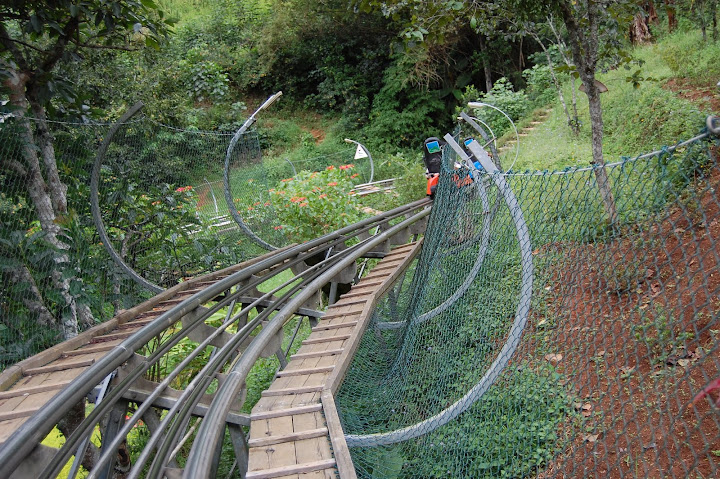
pixel 360 153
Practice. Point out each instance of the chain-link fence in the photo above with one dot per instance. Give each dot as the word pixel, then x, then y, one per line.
pixel 608 335
pixel 164 218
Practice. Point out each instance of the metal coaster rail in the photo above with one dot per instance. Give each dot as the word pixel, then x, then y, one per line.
pixel 187 320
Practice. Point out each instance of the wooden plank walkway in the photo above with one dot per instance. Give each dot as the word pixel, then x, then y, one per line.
pixel 28 385
pixel 295 429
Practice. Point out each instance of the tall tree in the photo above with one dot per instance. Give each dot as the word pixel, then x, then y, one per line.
pixel 594 30
pixel 35 37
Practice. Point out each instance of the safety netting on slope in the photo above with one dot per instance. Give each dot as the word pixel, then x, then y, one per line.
pixel 161 202
pixel 616 362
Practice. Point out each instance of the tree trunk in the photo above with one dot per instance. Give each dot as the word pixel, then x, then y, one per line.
pixel 652 16
pixel 558 87
pixel 43 137
pixel 39 194
pixel 598 160
pixel 575 120
pixel 34 301
pixel 639 30
pixel 486 65
pixel 699 9
pixel 584 46
pixel 576 116
pixel 713 9
pixel 672 18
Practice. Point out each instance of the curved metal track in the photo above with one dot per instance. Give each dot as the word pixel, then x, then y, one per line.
pixel 212 319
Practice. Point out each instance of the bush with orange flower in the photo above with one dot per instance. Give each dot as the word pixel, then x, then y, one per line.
pixel 315 203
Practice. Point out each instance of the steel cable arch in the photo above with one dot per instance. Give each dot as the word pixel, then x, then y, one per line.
pixel 515 333
pixel 95 203
pixel 226 176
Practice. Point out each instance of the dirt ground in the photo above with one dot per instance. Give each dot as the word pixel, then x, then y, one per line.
pixel 707 98
pixel 637 337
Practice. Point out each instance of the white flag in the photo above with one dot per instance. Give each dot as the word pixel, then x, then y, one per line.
pixel 360 153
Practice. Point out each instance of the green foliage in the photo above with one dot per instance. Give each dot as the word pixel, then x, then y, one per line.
pixel 689 58
pixel 204 79
pixel 658 331
pixel 641 119
pixel 511 432
pixel 402 116
pixel 513 103
pixel 315 203
pixel 540 88
pixel 51 28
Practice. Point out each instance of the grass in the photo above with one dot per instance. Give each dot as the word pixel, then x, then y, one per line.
pixel 636 119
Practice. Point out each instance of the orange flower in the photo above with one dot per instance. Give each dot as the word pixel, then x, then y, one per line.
pixel 332 183
pixel 278 227
pixel 250 208
pixel 347 167
pixel 323 196
pixel 331 167
pixel 155 203
pixel 355 175
pixel 267 203
pixel 286 180
pixel 257 203
pixel 303 204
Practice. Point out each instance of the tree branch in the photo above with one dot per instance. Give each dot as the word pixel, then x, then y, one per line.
pixel 56 52
pixel 15 166
pixel 9 44
pixel 25 44
pixel 102 47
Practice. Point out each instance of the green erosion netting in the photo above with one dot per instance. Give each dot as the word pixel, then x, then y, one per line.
pixel 621 335
pixel 164 216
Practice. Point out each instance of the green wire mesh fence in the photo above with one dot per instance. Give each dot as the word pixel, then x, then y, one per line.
pixel 164 217
pixel 617 365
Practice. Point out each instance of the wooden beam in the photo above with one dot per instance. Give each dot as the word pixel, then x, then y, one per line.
pixel 295 436
pixel 310 408
pixel 345 314
pixel 59 367
pixel 290 470
pixel 339 337
pixel 317 354
pixel 301 372
pixel 18 413
pixel 336 377
pixel 98 348
pixel 32 390
pixel 325 327
pixel 341 452
pixel 288 391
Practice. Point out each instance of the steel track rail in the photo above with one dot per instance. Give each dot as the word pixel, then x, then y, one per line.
pixel 194 310
pixel 211 431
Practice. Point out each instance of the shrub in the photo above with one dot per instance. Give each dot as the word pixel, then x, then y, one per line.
pixel 314 203
pixel 502 96
pixel 540 88
pixel 204 79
